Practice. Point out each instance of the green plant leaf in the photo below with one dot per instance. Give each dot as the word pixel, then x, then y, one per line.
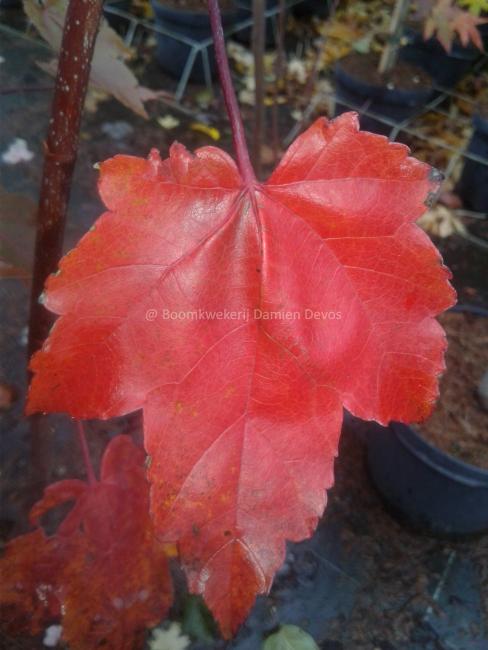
pixel 475 6
pixel 290 637
pixel 197 621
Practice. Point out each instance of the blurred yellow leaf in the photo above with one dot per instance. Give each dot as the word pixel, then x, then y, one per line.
pixel 211 131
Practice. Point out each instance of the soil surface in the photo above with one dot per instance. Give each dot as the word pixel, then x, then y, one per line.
pixel 404 76
pixel 459 425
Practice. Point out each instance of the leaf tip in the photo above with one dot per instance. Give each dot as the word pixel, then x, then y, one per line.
pixel 349 119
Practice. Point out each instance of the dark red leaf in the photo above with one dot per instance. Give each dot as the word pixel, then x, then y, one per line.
pixel 103 572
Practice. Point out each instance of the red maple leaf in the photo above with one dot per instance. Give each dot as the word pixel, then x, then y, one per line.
pixel 242 317
pixel 103 572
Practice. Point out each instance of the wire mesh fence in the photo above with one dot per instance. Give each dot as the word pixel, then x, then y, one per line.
pixel 410 126
pixel 136 30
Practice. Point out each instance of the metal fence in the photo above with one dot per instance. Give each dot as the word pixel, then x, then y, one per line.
pixel 137 29
pixel 137 26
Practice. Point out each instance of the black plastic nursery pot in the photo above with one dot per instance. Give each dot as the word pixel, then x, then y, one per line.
pixel 483 30
pixel 445 68
pixel 472 186
pixel 396 98
pixel 423 485
pixel 172 54
pixel 309 8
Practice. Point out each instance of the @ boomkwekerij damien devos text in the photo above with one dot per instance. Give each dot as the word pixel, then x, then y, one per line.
pixel 243 314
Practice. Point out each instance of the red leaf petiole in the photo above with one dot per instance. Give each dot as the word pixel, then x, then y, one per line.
pixel 230 99
pixel 86 453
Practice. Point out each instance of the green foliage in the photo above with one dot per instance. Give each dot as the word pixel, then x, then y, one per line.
pixel 474 6
pixel 290 637
pixel 197 620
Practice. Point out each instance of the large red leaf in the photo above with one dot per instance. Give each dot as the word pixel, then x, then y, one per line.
pixel 330 292
pixel 103 572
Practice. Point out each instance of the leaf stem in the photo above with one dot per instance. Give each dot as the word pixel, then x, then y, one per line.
pixel 230 99
pixel 86 453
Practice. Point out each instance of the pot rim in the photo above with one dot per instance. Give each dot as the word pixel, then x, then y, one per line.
pixel 382 92
pixel 439 460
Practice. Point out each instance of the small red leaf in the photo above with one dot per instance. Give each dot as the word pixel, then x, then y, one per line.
pixel 103 572
pixel 242 318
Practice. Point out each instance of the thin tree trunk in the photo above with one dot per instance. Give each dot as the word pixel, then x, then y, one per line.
pixel 390 52
pixel 79 35
pixel 61 146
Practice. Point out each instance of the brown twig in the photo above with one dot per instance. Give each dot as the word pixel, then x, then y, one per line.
pixel 308 101
pixel 319 55
pixel 258 51
pixel 79 35
pixel 279 75
pixel 90 473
